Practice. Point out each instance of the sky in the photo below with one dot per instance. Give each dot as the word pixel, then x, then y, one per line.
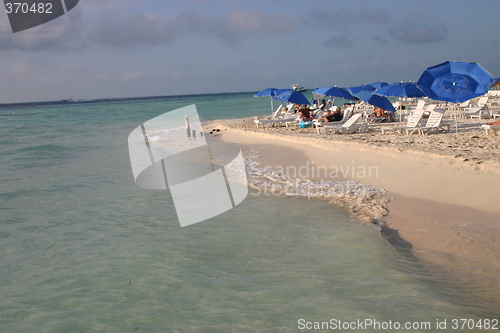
pixel 135 48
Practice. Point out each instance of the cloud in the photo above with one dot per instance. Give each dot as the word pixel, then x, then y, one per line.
pixel 132 76
pixel 70 32
pixel 373 15
pixel 136 29
pixel 151 29
pixel 339 41
pixel 419 33
pixel 257 21
pixel 99 6
pixel 329 18
pixel 239 25
pixel 346 16
pixel 101 77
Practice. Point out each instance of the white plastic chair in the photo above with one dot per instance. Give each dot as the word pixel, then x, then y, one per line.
pixel 317 123
pixel 412 122
pixel 434 123
pixel 350 125
pixel 492 128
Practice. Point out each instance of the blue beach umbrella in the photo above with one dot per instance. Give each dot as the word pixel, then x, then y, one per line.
pixel 363 87
pixel 334 92
pixel 291 96
pixel 402 89
pixel 268 92
pixel 455 81
pixel 279 91
pixel 364 92
pixel 378 84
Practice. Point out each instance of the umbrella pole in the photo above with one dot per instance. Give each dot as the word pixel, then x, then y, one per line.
pixel 272 106
pixel 400 110
pixel 456 121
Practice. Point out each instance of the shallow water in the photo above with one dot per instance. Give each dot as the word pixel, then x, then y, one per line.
pixel 85 249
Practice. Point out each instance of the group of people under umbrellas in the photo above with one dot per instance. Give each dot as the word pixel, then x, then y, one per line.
pixel 450 81
pixel 330 115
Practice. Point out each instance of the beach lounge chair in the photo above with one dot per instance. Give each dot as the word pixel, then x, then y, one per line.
pixel 318 123
pixel 350 126
pixel 370 117
pixel 420 105
pixel 461 108
pixel 434 123
pixel 412 122
pixel 277 113
pixel 430 107
pixel 476 112
pixel 318 115
pixel 469 111
pixel 492 128
pixel 482 114
pixel 427 110
pixel 401 110
pixel 292 121
pixel 483 102
pixel 464 105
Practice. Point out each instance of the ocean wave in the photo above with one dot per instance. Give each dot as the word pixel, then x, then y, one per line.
pixel 39 156
pixel 33 191
pixel 366 203
pixel 47 148
pixel 38 150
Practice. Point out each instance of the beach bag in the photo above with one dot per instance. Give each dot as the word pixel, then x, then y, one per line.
pixel 305 124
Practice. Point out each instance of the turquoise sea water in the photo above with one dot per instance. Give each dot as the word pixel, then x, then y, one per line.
pixel 86 250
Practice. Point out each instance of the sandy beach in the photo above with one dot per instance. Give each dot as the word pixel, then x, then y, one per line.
pixel 441 192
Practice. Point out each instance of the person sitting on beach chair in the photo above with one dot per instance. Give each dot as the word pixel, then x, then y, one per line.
pixel 381 113
pixel 305 114
pixel 322 105
pixel 332 116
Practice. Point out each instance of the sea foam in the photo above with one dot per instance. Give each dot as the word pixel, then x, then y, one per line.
pixel 366 203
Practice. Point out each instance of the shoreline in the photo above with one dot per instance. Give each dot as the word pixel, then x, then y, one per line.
pixel 413 173
pixel 442 208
